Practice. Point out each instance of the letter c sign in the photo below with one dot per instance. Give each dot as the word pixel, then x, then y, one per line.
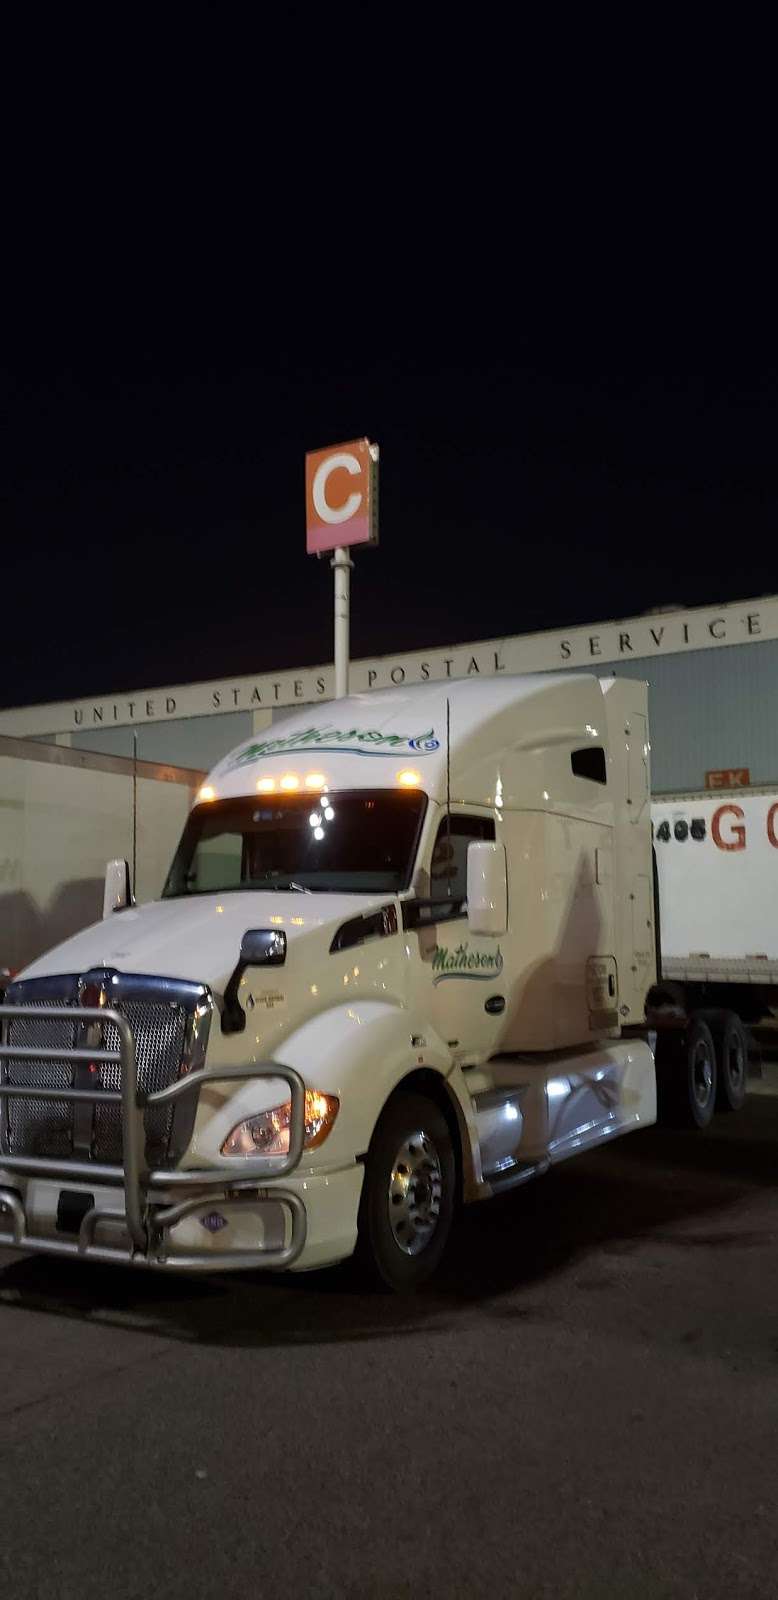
pixel 321 505
pixel 341 496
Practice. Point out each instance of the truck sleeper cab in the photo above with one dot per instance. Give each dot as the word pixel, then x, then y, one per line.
pixel 400 958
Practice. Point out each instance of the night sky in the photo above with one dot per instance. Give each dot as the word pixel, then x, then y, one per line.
pixel 152 483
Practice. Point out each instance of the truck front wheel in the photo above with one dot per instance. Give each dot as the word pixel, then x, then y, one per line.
pixel 407 1200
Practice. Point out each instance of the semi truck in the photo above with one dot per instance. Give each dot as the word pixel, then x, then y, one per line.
pixel 405 957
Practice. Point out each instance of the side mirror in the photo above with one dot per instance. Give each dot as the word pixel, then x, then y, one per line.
pixel 262 947
pixel 259 947
pixel 116 894
pixel 487 888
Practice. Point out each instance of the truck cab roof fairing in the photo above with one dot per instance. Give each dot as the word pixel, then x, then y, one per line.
pixel 399 735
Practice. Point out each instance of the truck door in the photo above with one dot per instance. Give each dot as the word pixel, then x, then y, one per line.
pixel 463 972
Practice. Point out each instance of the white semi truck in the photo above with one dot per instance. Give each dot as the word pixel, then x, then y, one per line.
pixel 401 959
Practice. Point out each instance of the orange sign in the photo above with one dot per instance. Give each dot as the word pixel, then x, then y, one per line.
pixel 341 496
pixel 728 778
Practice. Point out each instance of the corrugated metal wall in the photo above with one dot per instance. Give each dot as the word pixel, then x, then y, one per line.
pixel 711 709
pixel 186 741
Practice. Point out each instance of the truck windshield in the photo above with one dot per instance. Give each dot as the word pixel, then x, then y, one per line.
pixel 360 841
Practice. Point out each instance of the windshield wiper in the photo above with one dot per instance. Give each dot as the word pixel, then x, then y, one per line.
pixel 270 881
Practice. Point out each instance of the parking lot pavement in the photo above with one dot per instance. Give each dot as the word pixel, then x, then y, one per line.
pixel 766 1082
pixel 585 1404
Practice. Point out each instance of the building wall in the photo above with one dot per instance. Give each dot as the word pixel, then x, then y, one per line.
pixel 187 741
pixel 62 816
pixel 712 671
pixel 711 709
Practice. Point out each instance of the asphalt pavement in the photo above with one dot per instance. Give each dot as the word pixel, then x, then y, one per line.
pixel 585 1404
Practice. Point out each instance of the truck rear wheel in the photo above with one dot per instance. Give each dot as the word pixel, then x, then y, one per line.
pixel 687 1075
pixel 407 1200
pixel 731 1042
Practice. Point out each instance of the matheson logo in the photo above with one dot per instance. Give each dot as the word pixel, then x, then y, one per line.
pixel 331 741
pixel 466 963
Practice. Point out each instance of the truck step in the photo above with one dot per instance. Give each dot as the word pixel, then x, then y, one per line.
pixel 513 1173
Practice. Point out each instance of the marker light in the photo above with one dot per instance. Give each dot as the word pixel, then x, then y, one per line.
pixel 265 785
pixel 290 780
pixel 268 1133
pixel 409 779
pixel 207 792
pixel 315 780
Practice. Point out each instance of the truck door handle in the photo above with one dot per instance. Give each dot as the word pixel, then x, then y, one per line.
pixel 495 1004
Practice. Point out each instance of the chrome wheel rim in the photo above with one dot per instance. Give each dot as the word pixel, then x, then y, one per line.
pixel 702 1073
pixel 415 1190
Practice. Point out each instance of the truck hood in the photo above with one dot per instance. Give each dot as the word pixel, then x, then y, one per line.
pixel 197 937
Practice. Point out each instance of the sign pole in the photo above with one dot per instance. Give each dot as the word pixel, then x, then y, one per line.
pixel 341 565
pixel 341 509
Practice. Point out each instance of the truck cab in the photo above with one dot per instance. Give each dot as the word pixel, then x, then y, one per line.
pixel 394 965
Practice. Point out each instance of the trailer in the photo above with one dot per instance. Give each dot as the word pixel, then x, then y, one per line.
pixel 716 859
pixel 63 813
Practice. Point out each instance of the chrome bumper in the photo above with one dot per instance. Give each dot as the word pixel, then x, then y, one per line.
pixel 147 1214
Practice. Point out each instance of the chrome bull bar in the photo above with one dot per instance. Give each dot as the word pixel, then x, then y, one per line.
pixel 147 1225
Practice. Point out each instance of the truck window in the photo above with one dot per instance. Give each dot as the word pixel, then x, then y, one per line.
pixel 448 870
pixel 362 841
pixel 590 763
pixel 219 862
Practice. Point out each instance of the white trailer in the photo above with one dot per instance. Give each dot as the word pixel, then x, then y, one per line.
pixel 63 813
pixel 401 958
pixel 717 919
pixel 717 861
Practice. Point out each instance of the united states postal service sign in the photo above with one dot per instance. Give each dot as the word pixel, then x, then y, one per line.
pixel 341 496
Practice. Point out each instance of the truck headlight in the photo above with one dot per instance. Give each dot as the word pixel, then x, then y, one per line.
pixel 267 1134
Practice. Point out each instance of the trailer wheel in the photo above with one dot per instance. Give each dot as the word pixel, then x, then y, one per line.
pixel 687 1076
pixel 731 1042
pixel 407 1200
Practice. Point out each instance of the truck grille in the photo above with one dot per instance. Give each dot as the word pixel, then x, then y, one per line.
pixel 169 1034
pixel 39 1127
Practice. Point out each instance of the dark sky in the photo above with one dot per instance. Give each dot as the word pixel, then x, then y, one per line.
pixel 550 300
pixel 535 473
